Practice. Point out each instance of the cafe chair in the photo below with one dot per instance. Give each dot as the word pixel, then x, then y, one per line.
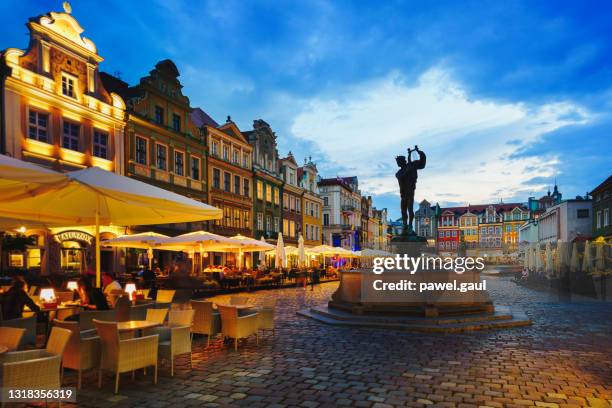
pixel 122 307
pixel 239 300
pixel 238 327
pixel 10 337
pixel 122 356
pixel 82 352
pixel 32 290
pixel 175 339
pixel 156 315
pixel 165 296
pixel 63 297
pixel 27 323
pixel 266 315
pixel 139 312
pixel 87 317
pixel 205 319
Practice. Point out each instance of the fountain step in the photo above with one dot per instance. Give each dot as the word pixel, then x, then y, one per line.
pixel 502 318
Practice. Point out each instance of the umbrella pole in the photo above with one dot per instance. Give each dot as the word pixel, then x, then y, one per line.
pixel 150 256
pixel 98 281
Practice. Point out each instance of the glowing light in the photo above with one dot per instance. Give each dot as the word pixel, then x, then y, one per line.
pixel 130 289
pixel 72 285
pixel 47 295
pixel 72 156
pixel 22 229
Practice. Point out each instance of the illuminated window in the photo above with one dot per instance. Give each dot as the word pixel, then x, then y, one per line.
pixel 38 126
pixel 225 152
pixel 259 221
pixel 33 258
pixel 141 150
pixel 286 227
pixel 259 190
pixel 70 139
pixel 159 115
pixel 100 144
pixel 161 156
pixel 195 168
pixel 68 86
pixel 247 221
pixel 285 201
pixel 269 194
pixel 276 196
pixel 292 228
pixel 179 163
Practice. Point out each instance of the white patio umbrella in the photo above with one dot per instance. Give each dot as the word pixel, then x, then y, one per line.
pixel 20 179
pixel 250 245
pixel 548 266
pixel 574 261
pixel 587 263
pixel 93 196
pixel 144 240
pixel 562 257
pixel 262 254
pixel 526 258
pixel 301 252
pixel 280 258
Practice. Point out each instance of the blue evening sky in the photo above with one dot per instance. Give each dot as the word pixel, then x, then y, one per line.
pixel 504 97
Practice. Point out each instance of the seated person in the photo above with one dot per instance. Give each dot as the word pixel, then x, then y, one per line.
pixel 15 299
pixel 91 297
pixel 110 284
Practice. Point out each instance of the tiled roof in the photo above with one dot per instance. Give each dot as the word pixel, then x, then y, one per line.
pixel 201 118
pixel 338 181
pixel 479 208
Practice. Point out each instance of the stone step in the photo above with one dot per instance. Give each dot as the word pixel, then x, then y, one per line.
pixel 501 313
pixel 424 325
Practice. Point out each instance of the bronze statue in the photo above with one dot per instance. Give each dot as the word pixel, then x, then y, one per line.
pixel 407 178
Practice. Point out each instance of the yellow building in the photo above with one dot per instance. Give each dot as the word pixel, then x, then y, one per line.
pixel 468 225
pixel 312 215
pixel 56 113
pixel 513 219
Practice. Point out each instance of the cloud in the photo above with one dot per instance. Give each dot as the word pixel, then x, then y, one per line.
pixel 471 144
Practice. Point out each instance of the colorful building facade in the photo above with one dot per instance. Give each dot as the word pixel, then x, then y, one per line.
pixel 312 204
pixel 291 200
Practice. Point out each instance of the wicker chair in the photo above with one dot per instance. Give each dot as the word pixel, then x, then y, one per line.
pixel 156 315
pixel 239 300
pixel 88 316
pixel 266 315
pixel 32 290
pixel 58 339
pixel 10 337
pixel 175 339
pixel 139 312
pixel 82 352
pixel 27 323
pixel 165 296
pixel 238 327
pixel 121 356
pixel 122 307
pixel 205 320
pixel 67 296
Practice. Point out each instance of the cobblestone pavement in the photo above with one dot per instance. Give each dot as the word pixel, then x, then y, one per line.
pixel 564 360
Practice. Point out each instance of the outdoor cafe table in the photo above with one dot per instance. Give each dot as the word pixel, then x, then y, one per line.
pixel 135 325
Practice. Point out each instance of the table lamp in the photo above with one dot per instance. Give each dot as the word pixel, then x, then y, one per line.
pixel 47 297
pixel 130 289
pixel 72 285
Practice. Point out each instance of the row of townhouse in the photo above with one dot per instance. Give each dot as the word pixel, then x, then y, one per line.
pixel 59 110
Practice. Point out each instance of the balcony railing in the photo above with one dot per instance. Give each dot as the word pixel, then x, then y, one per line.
pixel 348 208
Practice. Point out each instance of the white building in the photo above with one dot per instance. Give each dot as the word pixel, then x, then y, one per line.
pixel 341 213
pixel 566 221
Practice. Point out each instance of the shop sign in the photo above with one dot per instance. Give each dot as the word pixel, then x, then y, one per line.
pixel 74 235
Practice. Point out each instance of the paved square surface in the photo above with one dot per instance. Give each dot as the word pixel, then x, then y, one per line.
pixel 564 360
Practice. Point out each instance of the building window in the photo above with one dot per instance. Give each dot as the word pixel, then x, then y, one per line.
pixel 606 220
pixel 259 190
pixel 68 86
pixel 70 139
pixel 276 196
pixel 325 200
pixel 179 163
pixel 298 205
pixel 141 150
pixel 245 187
pixel 227 181
pixel 245 160
pixel 247 221
pixel 176 122
pixel 276 224
pixel 326 219
pixel 236 156
pixel 259 221
pixel 292 229
pixel 236 184
pixel 268 223
pixel 286 227
pixel 582 213
pixel 38 126
pixel 285 201
pixel 225 152
pixel 195 168
pixel 161 155
pixel 159 115
pixel 100 144
pixel 215 148
pixel 269 194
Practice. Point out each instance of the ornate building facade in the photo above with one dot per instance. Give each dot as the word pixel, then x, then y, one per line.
pixel 312 204
pixel 56 112
pixel 267 181
pixel 291 199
